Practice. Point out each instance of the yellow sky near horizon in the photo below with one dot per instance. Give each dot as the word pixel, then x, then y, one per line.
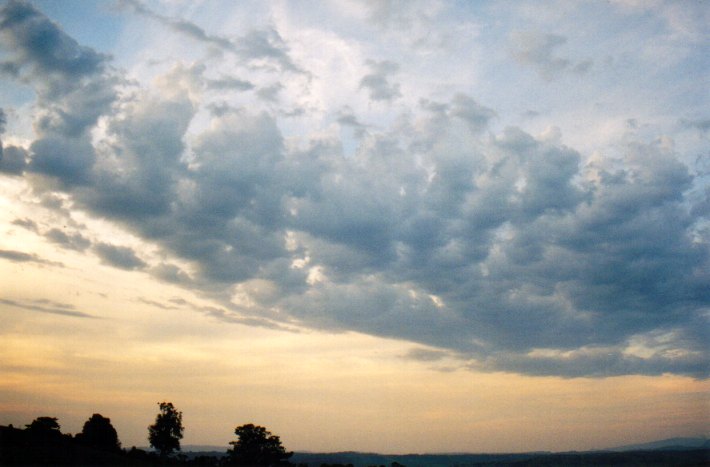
pixel 355 389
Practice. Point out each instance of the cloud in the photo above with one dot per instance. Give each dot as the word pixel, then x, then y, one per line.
pixel 184 27
pixel 41 48
pixel 495 253
pixel 270 93
pixel 162 306
pixel 13 160
pixel 257 46
pixel 47 306
pixel 426 355
pixel 377 82
pixel 508 251
pixel 267 44
pixel 22 257
pixel 467 109
pixel 171 273
pixel 74 87
pixel 71 241
pixel 26 223
pixel 347 117
pixel 228 82
pixel 702 125
pixel 538 50
pixel 119 256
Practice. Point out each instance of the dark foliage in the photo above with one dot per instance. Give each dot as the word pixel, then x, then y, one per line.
pixel 98 433
pixel 42 443
pixel 165 434
pixel 256 446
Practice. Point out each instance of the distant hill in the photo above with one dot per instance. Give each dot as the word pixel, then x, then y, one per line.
pixel 666 444
pixel 666 452
pixel 361 459
pixel 648 458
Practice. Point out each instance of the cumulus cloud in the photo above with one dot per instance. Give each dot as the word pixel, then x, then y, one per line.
pixel 509 251
pixel 40 47
pixel 74 88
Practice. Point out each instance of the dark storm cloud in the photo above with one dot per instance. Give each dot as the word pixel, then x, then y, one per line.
pixel 47 306
pixel 119 256
pixel 503 250
pixel 378 83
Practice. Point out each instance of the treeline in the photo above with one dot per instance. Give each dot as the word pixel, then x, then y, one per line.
pixel 42 443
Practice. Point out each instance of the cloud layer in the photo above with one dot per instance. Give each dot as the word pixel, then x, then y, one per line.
pixel 506 250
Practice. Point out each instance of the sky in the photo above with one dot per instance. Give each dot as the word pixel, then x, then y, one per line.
pixel 391 226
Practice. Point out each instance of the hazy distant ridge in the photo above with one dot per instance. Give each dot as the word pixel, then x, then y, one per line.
pixel 670 443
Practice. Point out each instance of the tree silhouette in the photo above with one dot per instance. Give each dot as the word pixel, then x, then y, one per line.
pixel 165 434
pixel 44 425
pixel 44 430
pixel 99 433
pixel 256 446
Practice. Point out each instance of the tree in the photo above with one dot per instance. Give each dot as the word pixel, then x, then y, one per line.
pixel 99 433
pixel 165 434
pixel 44 430
pixel 256 446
